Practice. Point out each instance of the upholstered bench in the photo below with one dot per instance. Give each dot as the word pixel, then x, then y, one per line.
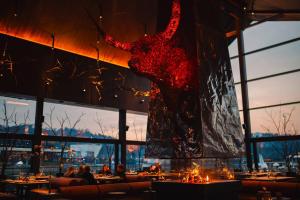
pixel 96 192
pixel 55 184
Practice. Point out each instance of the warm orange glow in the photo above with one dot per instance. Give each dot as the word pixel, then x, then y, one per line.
pixel 207 178
pixel 227 173
pixel 45 40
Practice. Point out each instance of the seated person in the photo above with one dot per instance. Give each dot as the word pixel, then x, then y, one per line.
pixel 70 172
pixel 80 171
pixel 155 168
pixel 106 170
pixel 87 175
pixel 120 171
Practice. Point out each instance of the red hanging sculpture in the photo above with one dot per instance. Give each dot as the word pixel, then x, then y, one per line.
pixel 190 116
pixel 158 58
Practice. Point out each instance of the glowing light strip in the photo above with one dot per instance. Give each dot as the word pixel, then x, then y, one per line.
pixel 17 103
pixel 80 52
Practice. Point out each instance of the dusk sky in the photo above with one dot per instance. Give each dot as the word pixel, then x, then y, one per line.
pixel 271 91
pixel 281 89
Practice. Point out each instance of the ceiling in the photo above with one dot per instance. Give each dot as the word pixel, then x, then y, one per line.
pixel 263 9
pixel 36 20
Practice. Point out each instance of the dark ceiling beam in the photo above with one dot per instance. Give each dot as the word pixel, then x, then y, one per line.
pixel 275 11
pixel 271 18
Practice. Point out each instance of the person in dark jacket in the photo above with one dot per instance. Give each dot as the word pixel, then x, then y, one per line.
pixel 80 171
pixel 120 170
pixel 88 176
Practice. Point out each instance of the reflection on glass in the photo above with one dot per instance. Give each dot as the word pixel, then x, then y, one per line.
pixel 279 156
pixel 17 115
pixel 137 126
pixel 276 121
pixel 18 157
pixel 75 154
pixel 136 161
pixel 77 121
pixel 135 157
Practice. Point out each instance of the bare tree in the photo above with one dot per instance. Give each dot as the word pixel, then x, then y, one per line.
pixel 10 125
pixel 282 125
pixel 64 130
pixel 139 137
pixel 109 148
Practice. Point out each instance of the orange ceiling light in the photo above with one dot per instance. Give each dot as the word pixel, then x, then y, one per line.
pixel 44 39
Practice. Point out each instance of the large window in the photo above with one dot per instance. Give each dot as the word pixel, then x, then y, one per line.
pixel 270 33
pixel 77 121
pixel 137 126
pixel 15 157
pixel 65 154
pixel 279 89
pixel 275 121
pixel 276 90
pixel 17 115
pixel 279 156
pixel 135 157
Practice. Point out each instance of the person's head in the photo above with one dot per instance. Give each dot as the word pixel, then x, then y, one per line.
pixel 87 169
pixel 81 169
pixel 120 168
pixel 71 169
pixel 105 168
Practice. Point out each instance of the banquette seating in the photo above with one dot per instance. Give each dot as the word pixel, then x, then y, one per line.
pixel 55 184
pixel 97 192
pixel 77 188
pixel 286 189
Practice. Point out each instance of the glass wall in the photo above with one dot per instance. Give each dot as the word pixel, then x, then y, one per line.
pixel 15 157
pixel 275 121
pixel 276 90
pixel 135 157
pixel 75 122
pixel 17 115
pixel 137 123
pixel 281 89
pixel 78 121
pixel 65 154
pixel 279 156
pixel 274 100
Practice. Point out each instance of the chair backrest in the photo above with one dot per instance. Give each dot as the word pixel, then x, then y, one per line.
pixel 93 192
pixel 66 181
pixel 88 192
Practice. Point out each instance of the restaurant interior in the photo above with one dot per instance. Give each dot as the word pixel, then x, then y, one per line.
pixel 149 99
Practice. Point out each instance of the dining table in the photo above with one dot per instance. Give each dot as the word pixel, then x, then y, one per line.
pixel 23 186
pixel 271 178
pixel 107 178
